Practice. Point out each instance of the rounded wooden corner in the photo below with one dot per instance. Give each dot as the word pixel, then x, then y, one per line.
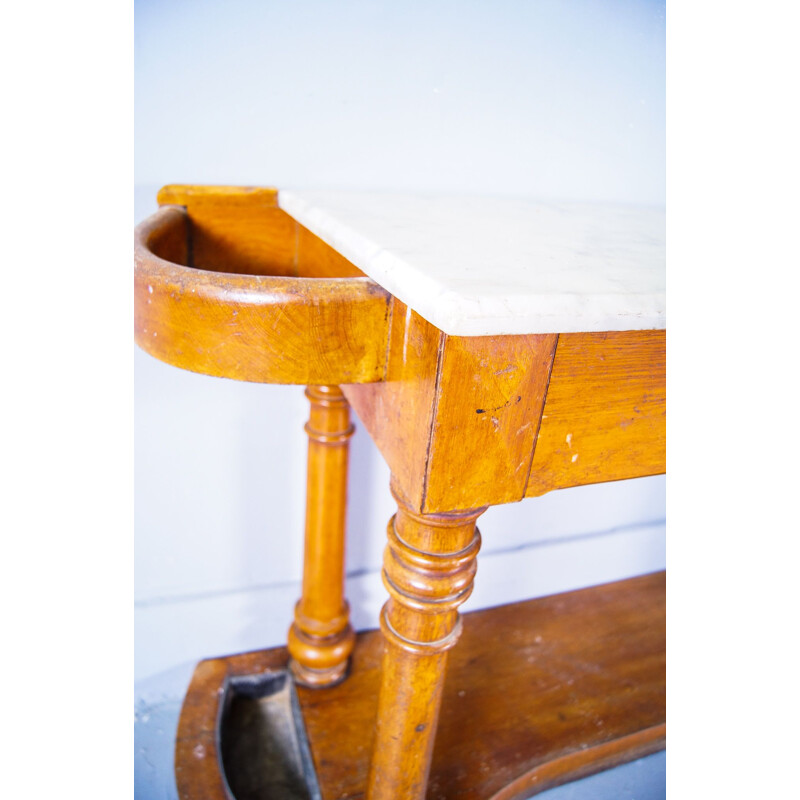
pixel 252 327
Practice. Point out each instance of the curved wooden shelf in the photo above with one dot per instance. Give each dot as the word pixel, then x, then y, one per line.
pixel 236 320
pixel 537 694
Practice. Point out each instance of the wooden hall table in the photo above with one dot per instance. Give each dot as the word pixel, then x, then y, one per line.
pixel 494 349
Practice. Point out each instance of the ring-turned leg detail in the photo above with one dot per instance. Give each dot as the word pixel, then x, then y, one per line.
pixel 321 638
pixel 429 567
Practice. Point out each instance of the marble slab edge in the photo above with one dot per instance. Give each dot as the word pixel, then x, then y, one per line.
pixel 458 314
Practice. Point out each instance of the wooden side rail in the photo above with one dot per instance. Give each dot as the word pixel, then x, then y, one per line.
pixel 252 327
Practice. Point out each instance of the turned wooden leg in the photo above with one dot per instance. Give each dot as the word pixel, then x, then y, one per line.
pixel 429 566
pixel 321 638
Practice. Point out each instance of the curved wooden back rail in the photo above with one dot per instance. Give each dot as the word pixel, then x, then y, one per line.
pixel 252 327
pixel 229 285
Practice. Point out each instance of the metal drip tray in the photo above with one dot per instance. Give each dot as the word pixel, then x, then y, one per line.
pixel 262 740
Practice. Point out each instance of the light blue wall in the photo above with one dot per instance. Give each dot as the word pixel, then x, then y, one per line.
pixel 558 99
pixel 561 100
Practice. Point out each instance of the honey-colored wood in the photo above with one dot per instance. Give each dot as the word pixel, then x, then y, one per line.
pixel 253 327
pixel 573 766
pixel 242 230
pixel 605 415
pixel 398 413
pixel 315 259
pixel 490 394
pixel 457 417
pixel 428 569
pixel 537 693
pixel 165 235
pixel 471 421
pixel 321 637
pixel 227 284
pixel 473 404
pixel 236 230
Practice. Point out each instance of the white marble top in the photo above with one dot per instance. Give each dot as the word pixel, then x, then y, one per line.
pixel 486 265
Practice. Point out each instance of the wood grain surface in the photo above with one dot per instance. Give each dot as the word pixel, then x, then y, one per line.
pixel 236 230
pixel 399 412
pixel 465 422
pixel 490 394
pixel 428 569
pixel 456 418
pixel 227 284
pixel 605 414
pixel 536 694
pixel 253 327
pixel 321 637
pixel 242 229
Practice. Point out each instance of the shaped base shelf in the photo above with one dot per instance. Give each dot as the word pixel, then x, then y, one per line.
pixel 537 694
